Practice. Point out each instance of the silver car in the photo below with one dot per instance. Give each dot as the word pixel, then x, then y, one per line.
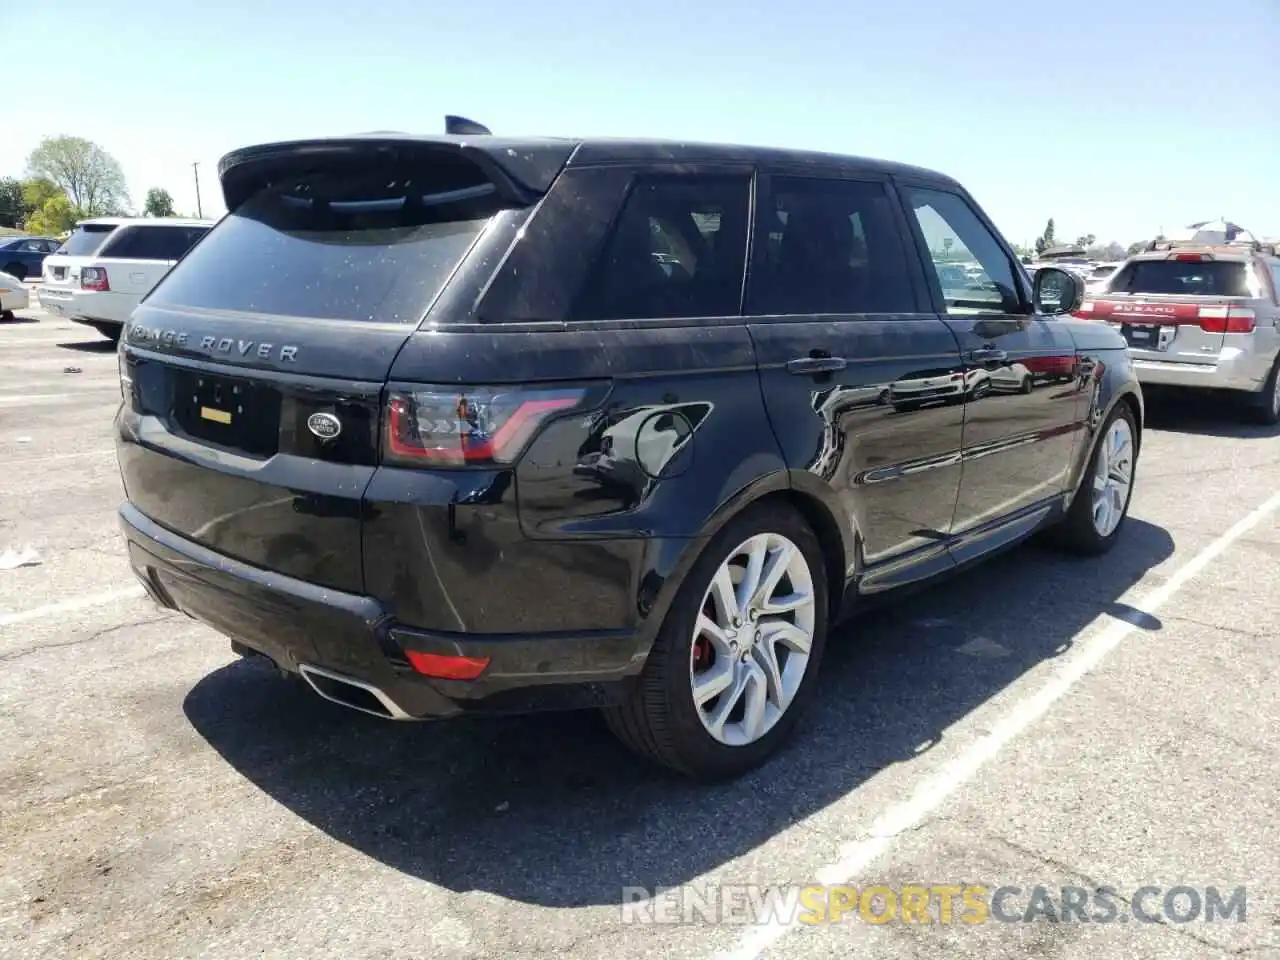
pixel 1200 316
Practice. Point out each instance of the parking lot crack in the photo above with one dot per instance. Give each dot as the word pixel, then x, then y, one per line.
pixel 1091 882
pixel 96 635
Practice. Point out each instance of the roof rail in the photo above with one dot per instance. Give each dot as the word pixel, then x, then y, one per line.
pixel 461 125
pixel 1256 246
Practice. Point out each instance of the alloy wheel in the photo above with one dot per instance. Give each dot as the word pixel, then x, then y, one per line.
pixel 753 638
pixel 1112 477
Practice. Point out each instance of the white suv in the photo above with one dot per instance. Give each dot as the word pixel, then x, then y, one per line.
pixel 109 264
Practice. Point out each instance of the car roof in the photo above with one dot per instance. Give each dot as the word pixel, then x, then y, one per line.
pixel 146 221
pixel 535 162
pixel 1231 253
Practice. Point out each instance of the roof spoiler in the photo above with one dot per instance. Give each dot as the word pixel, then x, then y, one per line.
pixel 461 126
pixel 522 170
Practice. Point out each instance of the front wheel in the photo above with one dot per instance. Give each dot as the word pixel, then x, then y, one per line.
pixel 736 658
pixel 1101 504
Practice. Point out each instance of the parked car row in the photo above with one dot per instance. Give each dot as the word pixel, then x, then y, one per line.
pixel 23 257
pixel 451 425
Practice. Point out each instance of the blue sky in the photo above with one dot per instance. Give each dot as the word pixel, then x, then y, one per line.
pixel 1115 117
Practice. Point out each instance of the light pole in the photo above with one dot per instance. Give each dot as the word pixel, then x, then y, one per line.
pixel 195 169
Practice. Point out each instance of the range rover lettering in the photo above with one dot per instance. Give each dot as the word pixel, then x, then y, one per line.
pixel 518 424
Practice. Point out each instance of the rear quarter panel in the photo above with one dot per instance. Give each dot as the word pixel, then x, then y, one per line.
pixel 604 529
pixel 1107 378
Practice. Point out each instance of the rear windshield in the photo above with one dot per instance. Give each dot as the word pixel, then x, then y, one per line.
pixel 1187 278
pixel 150 242
pixel 86 240
pixel 355 244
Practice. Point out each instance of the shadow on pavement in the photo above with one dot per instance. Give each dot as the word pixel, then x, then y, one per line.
pixel 551 810
pixel 17 319
pixel 1204 414
pixel 89 346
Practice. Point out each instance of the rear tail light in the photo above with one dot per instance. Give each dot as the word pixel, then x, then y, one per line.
pixel 471 426
pixel 1193 257
pixel 1212 318
pixel 1227 319
pixel 94 278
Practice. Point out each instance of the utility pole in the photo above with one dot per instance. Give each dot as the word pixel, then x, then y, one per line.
pixel 195 169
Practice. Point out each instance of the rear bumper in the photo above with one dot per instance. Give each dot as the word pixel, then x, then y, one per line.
pixel 88 306
pixel 335 636
pixel 1233 369
pixel 15 300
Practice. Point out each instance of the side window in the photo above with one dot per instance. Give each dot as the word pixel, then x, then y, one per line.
pixel 678 249
pixel 975 274
pixel 829 246
pixel 1275 280
pixel 151 243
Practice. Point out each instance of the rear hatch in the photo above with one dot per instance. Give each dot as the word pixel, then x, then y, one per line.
pixel 1178 309
pixel 61 270
pixel 255 369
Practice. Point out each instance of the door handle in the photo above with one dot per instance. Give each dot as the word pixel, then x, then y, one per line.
pixel 812 366
pixel 988 355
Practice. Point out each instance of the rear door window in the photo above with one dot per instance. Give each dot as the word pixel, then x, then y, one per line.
pixel 360 243
pixel 86 240
pixel 1210 278
pixel 678 249
pixel 829 246
pixel 145 242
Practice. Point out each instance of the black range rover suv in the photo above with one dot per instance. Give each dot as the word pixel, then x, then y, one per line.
pixel 464 424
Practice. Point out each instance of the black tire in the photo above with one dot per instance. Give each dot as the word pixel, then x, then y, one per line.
pixel 659 720
pixel 1076 532
pixel 17 270
pixel 6 316
pixel 1266 410
pixel 111 331
pixel 1025 386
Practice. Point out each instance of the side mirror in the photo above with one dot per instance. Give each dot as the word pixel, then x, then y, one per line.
pixel 1057 292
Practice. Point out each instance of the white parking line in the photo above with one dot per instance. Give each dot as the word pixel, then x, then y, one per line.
pixel 933 791
pixel 71 606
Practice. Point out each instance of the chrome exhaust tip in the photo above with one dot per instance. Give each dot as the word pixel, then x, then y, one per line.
pixel 351 693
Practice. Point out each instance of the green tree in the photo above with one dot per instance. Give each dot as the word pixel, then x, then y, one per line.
pixel 12 210
pixel 36 192
pixel 1086 240
pixel 1046 239
pixel 55 216
pixel 91 178
pixel 159 203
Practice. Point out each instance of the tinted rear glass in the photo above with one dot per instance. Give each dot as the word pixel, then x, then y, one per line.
pixel 86 240
pixel 146 242
pixel 1208 279
pixel 360 243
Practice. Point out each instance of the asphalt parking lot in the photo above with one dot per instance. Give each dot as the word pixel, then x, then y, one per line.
pixel 1039 721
